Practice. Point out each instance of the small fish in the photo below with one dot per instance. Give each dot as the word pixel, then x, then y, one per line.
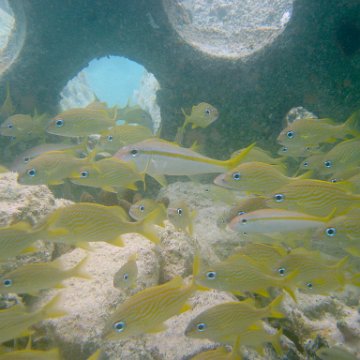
pixel 15 321
pixel 315 197
pixel 135 114
pixel 22 127
pixel 146 311
pixel 21 161
pixel 276 220
pixel 109 174
pixel 255 178
pixel 50 168
pixel 33 277
pixel 126 276
pixel 315 273
pixel 237 315
pixel 142 208
pixel 113 139
pixel 158 157
pixel 81 223
pixel 299 151
pixel 181 216
pixel 311 132
pixel 340 158
pixel 81 122
pixel 29 354
pixel 15 239
pixel 239 274
pixel 335 353
pixel 202 115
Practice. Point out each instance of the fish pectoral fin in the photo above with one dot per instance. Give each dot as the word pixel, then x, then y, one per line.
pixel 109 189
pixel 158 328
pixel 263 292
pixel 160 179
pixel 185 307
pixel 84 245
pixel 116 242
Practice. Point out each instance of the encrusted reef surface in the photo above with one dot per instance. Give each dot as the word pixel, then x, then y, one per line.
pixel 314 62
pixel 310 321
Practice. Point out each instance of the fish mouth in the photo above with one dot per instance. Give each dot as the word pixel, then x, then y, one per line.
pixel 220 181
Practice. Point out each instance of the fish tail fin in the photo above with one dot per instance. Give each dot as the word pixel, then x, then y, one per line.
pixel 289 284
pixel 276 343
pixel 195 272
pixel 79 269
pixel 234 161
pixel 305 175
pixel 353 122
pixel 53 308
pixel 148 228
pixel 276 308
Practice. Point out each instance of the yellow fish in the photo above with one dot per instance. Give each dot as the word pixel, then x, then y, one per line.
pixel 126 276
pixel 311 132
pixel 142 208
pixel 255 178
pixel 81 122
pixel 135 114
pixel 146 311
pixel 33 277
pixel 21 161
pixel 50 168
pixel 202 115
pixel 158 157
pixel 15 321
pixel 315 273
pixel 80 223
pixel 21 127
pixel 113 139
pixel 109 174
pixel 276 220
pixel 239 274
pixel 15 239
pixel 28 354
pixel 315 197
pixel 181 216
pixel 220 353
pixel 237 315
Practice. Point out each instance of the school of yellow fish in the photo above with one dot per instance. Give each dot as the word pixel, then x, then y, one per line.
pixel 294 206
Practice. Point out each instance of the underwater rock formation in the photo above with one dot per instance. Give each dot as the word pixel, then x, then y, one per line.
pixel 314 62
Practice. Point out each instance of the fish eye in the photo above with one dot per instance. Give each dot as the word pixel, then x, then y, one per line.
pixel 126 276
pixel 284 149
pixel 207 111
pixel 328 163
pixel 31 172
pixel 119 326
pixel 109 138
pixel 305 163
pixel 10 126
pixel 281 271
pixel 142 208
pixel 26 159
pixel 59 123
pixel 236 176
pixel 334 180
pixel 211 275
pixel 279 197
pixel 309 285
pixel 201 327
pixel 244 221
pixel 7 282
pixel 290 134
pixel 241 213
pixel 12 138
pixel 84 174
pixel 134 152
pixel 179 211
pixel 331 231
